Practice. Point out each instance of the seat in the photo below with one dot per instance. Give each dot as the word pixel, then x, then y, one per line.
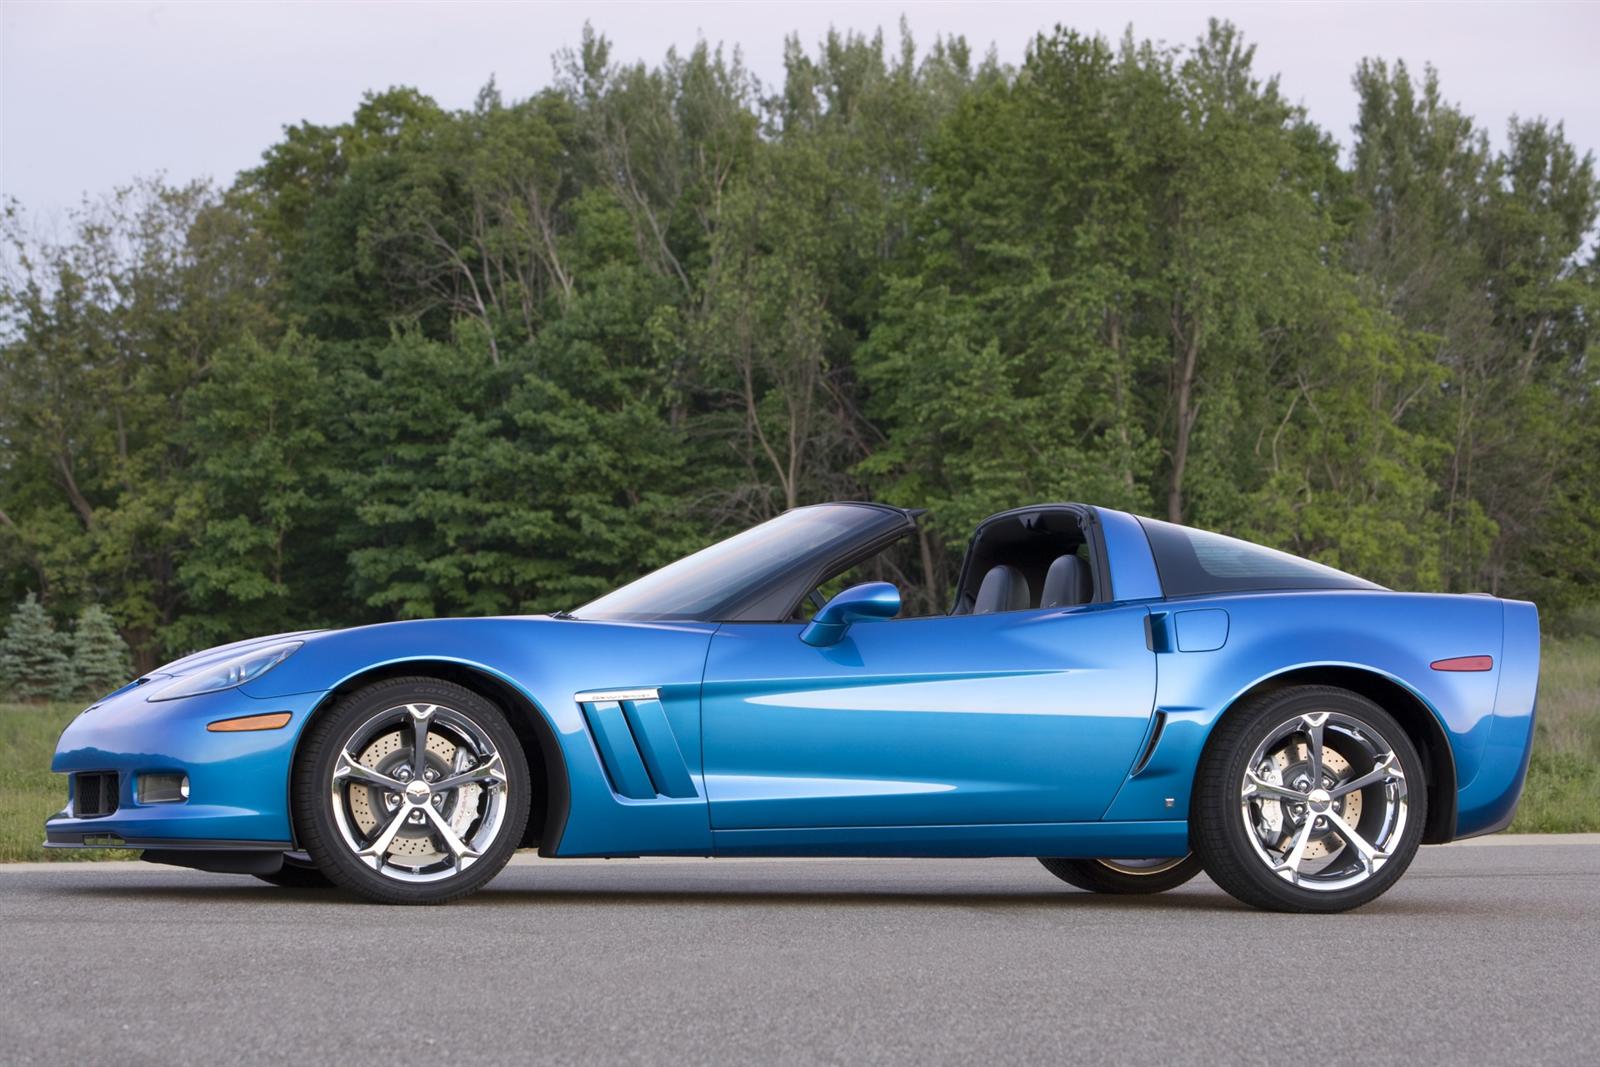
pixel 1003 589
pixel 1067 584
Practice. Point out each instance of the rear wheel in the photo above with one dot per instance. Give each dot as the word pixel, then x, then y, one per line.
pixel 299 871
pixel 1125 876
pixel 412 791
pixel 1309 799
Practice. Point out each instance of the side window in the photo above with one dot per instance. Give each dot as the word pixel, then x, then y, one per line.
pixel 899 564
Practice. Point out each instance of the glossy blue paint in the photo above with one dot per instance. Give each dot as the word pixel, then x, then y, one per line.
pixel 1081 839
pixel 1201 630
pixel 1133 568
pixel 1025 716
pixel 1002 734
pixel 1487 802
pixel 1394 636
pixel 237 781
pixel 623 761
pixel 658 747
pixel 859 603
pixel 547 661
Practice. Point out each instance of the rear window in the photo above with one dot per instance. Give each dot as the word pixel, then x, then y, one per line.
pixel 1191 562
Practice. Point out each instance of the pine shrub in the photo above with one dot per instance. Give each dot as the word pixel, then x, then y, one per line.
pixel 100 661
pixel 34 664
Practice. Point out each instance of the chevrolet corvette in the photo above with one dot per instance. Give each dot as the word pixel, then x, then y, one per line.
pixel 1129 700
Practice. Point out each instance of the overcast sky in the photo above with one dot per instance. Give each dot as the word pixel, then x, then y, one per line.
pixel 96 93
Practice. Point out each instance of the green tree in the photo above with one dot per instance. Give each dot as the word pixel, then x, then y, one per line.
pixel 431 361
pixel 259 429
pixel 34 664
pixel 1482 252
pixel 1111 245
pixel 316 200
pixel 998 366
pixel 104 334
pixel 100 661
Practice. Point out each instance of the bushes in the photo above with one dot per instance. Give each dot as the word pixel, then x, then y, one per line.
pixel 37 662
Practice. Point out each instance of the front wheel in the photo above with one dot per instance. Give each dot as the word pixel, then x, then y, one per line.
pixel 1125 876
pixel 412 791
pixel 1309 799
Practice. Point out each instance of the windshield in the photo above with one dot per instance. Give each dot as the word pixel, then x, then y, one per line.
pixel 732 575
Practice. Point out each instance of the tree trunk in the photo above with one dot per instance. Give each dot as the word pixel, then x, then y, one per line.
pixel 79 502
pixel 1186 408
pixel 1114 342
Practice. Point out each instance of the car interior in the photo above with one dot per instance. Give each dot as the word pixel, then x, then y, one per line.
pixel 1035 558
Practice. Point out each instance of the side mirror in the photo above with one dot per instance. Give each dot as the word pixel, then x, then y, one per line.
pixel 859 603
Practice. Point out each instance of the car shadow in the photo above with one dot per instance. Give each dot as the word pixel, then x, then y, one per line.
pixel 655 890
pixel 560 897
pixel 657 896
pixel 659 892
pixel 1196 899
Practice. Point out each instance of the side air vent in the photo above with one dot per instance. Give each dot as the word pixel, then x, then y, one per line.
pixel 1150 746
pixel 636 744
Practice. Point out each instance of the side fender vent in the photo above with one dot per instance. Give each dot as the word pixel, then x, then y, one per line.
pixel 1150 745
pixel 636 744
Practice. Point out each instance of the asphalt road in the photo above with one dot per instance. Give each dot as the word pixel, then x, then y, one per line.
pixel 1484 953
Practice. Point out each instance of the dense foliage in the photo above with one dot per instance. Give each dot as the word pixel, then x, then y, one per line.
pixel 497 360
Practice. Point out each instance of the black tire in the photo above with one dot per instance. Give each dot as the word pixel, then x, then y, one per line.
pixel 314 805
pixel 298 872
pixel 1122 877
pixel 1224 841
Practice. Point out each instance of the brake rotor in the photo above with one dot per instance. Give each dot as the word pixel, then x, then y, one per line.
pixel 413 845
pixel 1334 767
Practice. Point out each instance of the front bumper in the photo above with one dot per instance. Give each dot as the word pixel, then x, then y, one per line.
pixel 238 782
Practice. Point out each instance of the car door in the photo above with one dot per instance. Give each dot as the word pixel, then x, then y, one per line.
pixel 1016 717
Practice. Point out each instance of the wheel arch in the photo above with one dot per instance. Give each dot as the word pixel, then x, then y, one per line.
pixel 1416 718
pixel 550 791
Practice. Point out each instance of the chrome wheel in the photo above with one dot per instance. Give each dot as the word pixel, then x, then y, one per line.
pixel 419 792
pixel 1323 800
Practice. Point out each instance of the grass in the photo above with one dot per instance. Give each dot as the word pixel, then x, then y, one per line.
pixel 29 793
pixel 1563 790
pixel 1562 795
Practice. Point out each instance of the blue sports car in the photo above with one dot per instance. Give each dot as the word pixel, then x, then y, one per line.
pixel 1130 700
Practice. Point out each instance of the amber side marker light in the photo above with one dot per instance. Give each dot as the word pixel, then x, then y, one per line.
pixel 1465 663
pixel 277 720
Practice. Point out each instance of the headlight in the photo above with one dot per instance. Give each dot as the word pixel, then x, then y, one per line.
pixel 229 674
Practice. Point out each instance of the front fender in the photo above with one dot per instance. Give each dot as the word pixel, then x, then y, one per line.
pixel 548 661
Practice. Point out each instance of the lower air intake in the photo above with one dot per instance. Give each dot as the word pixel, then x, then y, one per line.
pixel 94 793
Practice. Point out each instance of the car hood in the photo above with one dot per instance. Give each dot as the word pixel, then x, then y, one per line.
pixel 513 646
pixel 195 661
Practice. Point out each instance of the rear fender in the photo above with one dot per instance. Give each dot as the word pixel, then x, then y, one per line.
pixel 1393 637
